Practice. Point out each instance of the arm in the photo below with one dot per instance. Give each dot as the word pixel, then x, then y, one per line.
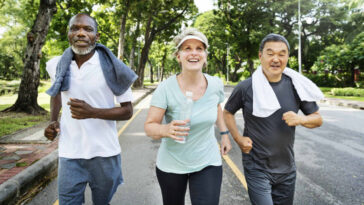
pixel 245 143
pixel 310 121
pixel 156 130
pixel 225 141
pixel 82 110
pixel 52 129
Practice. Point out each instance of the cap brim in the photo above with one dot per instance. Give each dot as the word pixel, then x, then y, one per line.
pixel 191 37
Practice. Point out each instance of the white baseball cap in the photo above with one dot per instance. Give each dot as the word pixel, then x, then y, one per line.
pixel 192 37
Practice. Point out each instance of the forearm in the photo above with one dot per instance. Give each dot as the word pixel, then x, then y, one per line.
pixel 55 106
pixel 311 121
pixel 231 125
pixel 124 112
pixel 154 130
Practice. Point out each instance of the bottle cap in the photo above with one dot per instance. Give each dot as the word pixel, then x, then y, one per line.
pixel 189 93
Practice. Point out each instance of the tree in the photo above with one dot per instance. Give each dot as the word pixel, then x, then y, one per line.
pixel 210 24
pixel 162 18
pixel 28 91
pixel 15 18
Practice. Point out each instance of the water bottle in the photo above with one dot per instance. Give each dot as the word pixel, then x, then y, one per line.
pixel 186 112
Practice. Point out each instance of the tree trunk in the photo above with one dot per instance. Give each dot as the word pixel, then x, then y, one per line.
pixel 150 33
pixel 132 52
pixel 122 31
pixel 163 63
pixel 234 76
pixel 144 55
pixel 151 71
pixel 143 59
pixel 28 90
pixel 251 66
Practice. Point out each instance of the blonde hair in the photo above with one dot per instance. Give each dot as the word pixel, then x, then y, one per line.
pixel 190 32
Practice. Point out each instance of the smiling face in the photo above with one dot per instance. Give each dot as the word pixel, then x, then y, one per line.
pixel 82 34
pixel 192 55
pixel 274 58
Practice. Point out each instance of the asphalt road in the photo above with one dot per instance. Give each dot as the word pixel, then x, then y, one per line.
pixel 329 161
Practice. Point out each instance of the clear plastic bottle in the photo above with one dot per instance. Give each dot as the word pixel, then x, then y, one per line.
pixel 186 112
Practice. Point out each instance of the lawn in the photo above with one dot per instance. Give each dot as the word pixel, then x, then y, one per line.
pixel 11 122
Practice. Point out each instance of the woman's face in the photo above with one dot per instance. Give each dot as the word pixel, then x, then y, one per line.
pixel 192 55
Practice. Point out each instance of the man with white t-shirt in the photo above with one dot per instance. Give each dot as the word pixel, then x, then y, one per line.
pixel 87 80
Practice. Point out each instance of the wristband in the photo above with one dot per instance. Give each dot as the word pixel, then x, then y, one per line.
pixel 225 132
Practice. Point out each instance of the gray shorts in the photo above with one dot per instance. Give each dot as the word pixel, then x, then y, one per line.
pixel 270 188
pixel 103 174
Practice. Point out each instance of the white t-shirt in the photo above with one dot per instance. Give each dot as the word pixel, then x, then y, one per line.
pixel 87 138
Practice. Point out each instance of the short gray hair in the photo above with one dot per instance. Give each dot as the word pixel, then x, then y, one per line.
pixel 190 32
pixel 83 14
pixel 272 37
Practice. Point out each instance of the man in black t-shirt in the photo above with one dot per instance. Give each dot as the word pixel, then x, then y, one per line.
pixel 267 142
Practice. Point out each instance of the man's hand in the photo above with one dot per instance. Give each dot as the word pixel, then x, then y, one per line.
pixel 52 130
pixel 245 144
pixel 80 109
pixel 292 118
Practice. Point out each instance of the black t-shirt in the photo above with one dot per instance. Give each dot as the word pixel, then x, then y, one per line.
pixel 272 138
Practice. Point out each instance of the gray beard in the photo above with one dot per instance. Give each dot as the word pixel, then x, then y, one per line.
pixel 83 51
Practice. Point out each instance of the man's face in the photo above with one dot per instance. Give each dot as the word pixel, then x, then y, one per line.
pixel 274 58
pixel 82 35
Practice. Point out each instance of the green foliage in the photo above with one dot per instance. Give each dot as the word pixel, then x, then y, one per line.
pixel 330 80
pixel 16 18
pixel 293 63
pixel 347 92
pixel 12 122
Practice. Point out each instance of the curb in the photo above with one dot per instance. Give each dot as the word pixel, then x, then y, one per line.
pixel 344 103
pixel 15 188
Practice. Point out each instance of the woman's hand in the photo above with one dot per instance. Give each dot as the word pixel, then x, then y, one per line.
pixel 225 144
pixel 175 129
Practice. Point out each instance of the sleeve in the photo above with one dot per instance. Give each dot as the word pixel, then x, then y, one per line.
pixel 51 67
pixel 235 101
pixel 308 107
pixel 221 93
pixel 159 98
pixel 125 97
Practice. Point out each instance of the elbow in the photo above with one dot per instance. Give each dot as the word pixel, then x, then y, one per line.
pixel 226 115
pixel 129 114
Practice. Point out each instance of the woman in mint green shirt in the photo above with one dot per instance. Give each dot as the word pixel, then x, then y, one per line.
pixel 196 162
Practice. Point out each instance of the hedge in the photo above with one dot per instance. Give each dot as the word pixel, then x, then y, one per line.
pixel 348 92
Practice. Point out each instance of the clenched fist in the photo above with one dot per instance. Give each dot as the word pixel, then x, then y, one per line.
pixel 52 130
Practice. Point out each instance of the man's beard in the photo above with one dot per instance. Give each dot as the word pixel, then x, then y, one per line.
pixel 83 51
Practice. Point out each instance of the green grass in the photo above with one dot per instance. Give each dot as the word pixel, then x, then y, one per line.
pixel 21 164
pixel 11 122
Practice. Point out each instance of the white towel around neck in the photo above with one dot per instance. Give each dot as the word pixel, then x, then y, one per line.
pixel 265 101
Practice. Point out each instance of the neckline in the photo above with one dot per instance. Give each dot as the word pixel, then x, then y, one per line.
pixel 184 96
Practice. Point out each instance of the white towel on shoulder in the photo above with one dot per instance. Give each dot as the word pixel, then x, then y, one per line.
pixel 265 101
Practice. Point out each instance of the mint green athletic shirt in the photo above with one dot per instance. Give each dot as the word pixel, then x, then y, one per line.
pixel 201 148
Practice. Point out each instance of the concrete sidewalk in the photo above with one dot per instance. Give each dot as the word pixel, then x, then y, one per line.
pixel 28 159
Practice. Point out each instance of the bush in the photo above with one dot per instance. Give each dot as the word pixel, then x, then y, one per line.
pixel 330 80
pixel 347 92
